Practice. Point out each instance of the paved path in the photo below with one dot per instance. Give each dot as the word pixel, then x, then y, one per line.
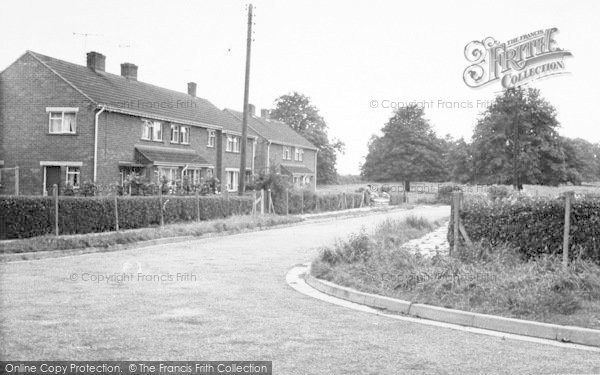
pixel 432 243
pixel 238 306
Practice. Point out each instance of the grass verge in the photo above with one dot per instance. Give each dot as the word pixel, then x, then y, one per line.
pixel 232 224
pixel 484 279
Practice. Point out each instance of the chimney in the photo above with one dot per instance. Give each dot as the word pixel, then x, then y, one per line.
pixel 264 113
pixel 96 61
pixel 129 71
pixel 192 89
pixel 251 109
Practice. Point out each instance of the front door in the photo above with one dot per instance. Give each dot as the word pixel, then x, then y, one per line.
pixel 52 177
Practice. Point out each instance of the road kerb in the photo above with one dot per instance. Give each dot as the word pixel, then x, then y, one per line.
pixel 575 335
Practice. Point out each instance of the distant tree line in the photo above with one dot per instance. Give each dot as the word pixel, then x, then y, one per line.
pixel 515 142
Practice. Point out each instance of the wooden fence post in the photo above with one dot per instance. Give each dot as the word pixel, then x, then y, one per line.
pixel 302 202
pixel 55 196
pixel 456 209
pixel 197 205
pixel 568 198
pixel 116 213
pixel 352 200
pixel 160 202
pixel 262 201
pixel 254 203
pixel 17 180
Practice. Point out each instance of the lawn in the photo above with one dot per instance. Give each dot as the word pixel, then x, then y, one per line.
pixel 485 280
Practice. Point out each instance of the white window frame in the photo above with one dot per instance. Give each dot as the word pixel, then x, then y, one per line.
pixel 287 155
pixel 211 138
pixel 298 154
pixel 184 140
pixel 73 171
pixel 233 179
pixel 174 133
pixel 155 125
pixel 233 144
pixel 147 130
pixel 54 113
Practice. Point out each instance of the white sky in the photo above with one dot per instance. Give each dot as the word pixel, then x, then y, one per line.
pixel 341 54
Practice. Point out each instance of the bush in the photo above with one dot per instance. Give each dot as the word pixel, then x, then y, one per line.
pixel 499 192
pixel 535 226
pixel 24 217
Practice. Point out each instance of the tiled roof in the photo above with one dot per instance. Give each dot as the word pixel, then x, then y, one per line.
pixel 272 130
pixel 120 93
pixel 164 155
pixel 295 169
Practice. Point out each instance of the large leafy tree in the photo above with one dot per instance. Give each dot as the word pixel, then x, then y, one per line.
pixel 516 141
pixel 297 111
pixel 458 160
pixel 407 151
pixel 582 158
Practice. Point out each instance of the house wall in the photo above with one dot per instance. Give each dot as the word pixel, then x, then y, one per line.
pixel 276 157
pixel 232 160
pixel 26 88
pixel 118 133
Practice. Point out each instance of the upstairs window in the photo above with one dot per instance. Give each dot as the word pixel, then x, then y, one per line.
pixel 62 120
pixel 184 135
pixel 152 130
pixel 233 144
pixel 287 155
pixel 211 138
pixel 147 130
pixel 299 154
pixel 174 133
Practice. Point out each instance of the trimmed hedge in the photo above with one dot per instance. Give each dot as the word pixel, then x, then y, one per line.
pixel 23 217
pixel 327 202
pixel 535 226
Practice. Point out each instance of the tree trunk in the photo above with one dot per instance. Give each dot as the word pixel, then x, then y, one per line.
pixel 407 186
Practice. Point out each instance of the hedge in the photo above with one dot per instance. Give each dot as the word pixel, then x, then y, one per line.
pixel 535 226
pixel 305 201
pixel 22 217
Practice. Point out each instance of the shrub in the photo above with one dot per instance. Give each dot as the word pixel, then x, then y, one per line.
pixel 24 217
pixel 498 192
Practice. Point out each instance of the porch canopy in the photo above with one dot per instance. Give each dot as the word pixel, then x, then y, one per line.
pixel 296 170
pixel 163 156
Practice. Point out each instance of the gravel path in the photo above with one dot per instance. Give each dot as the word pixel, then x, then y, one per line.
pixel 432 243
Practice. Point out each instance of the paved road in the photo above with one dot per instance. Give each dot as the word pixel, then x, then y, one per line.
pixel 237 306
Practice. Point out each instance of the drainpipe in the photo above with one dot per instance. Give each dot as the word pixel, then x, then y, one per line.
pixel 253 154
pixel 96 141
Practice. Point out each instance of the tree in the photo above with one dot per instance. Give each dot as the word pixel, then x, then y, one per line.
pixel 582 158
pixel 458 160
pixel 516 141
pixel 298 112
pixel 407 151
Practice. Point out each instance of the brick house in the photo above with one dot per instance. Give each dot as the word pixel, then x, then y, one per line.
pixel 280 146
pixel 63 123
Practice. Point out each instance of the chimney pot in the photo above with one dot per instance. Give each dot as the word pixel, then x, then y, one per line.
pixel 96 61
pixel 251 109
pixel 192 88
pixel 129 71
pixel 264 113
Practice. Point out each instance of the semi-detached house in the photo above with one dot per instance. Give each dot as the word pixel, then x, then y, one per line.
pixel 280 147
pixel 63 123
